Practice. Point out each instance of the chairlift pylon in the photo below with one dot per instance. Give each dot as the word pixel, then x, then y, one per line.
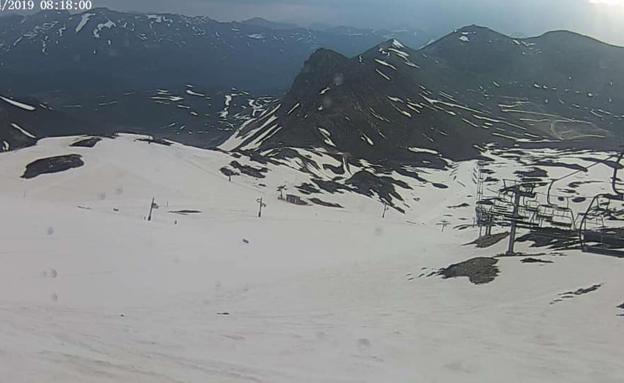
pixel 599 232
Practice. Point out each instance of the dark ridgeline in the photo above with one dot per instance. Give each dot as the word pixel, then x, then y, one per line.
pixel 452 97
pixel 111 51
pixel 170 76
pixel 104 71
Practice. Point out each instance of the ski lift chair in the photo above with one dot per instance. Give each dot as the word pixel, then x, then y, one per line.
pixel 563 218
pixel 607 210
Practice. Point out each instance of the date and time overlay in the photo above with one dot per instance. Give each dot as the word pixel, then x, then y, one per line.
pixel 45 5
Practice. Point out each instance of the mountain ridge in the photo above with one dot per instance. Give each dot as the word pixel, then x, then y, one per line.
pixel 118 44
pixel 471 88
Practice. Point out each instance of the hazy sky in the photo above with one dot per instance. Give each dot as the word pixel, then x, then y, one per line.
pixel 603 19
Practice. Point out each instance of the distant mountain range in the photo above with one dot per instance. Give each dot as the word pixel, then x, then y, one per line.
pixel 453 97
pixel 112 51
pixel 192 79
pixel 198 81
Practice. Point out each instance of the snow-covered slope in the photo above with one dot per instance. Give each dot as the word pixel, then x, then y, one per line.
pixel 92 292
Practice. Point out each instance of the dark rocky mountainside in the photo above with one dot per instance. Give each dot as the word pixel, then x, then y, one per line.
pixel 188 114
pixel 192 79
pixel 103 50
pixel 23 122
pixel 467 90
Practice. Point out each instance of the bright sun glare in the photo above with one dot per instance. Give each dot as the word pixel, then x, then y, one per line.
pixel 607 2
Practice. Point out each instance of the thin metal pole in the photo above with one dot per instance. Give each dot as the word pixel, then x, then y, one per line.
pixel 514 218
pixel 149 216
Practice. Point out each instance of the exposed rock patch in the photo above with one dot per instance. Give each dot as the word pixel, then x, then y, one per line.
pixel 249 170
pixel 185 212
pixel 152 140
pixel 325 203
pixel 535 260
pixel 479 270
pixel 576 293
pixel 86 143
pixel 552 238
pixel 489 240
pixel 52 165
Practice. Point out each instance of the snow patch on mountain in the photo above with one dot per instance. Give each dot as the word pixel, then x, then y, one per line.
pixel 367 139
pixel 107 25
pixel 423 150
pixel 245 137
pixel 18 104
pixel 386 64
pixel 84 19
pixel 397 44
pixel 226 110
pixel 158 18
pixel 327 137
pixel 382 74
pixel 297 105
pixel 193 93
pixel 23 131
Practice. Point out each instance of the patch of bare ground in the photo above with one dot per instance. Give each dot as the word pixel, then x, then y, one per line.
pixel 488 240
pixel 480 270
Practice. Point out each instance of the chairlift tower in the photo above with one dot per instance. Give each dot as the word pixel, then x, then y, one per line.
pixel 519 191
pixel 479 180
pixel 482 216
